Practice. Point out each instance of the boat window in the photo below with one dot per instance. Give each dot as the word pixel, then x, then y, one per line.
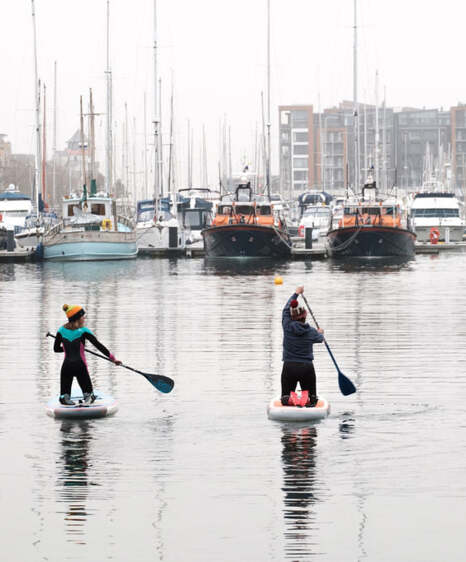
pixel 224 210
pixel 71 210
pixel 370 210
pixel 431 213
pixel 244 209
pixel 192 218
pixel 98 209
pixel 264 210
pixel 145 216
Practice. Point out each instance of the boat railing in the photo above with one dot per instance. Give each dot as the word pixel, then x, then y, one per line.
pixel 126 221
pixel 54 230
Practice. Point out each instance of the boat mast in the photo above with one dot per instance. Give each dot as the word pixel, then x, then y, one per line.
pixel 160 145
pixel 268 102
pixel 146 194
pixel 54 148
pixel 44 144
pixel 355 101
pixel 109 132
pixel 322 159
pixel 83 151
pixel 170 154
pixel 190 180
pixel 158 189
pixel 37 171
pixel 91 144
pixel 376 144
pixel 384 143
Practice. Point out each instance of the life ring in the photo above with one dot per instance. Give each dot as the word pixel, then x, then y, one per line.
pixel 107 224
pixel 434 235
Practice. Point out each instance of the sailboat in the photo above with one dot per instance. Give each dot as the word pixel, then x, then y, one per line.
pixel 91 229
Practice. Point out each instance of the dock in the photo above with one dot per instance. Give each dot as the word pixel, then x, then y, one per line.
pixel 299 251
pixel 18 255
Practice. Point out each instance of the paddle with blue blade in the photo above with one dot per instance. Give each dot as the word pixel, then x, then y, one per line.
pixel 346 386
pixel 160 382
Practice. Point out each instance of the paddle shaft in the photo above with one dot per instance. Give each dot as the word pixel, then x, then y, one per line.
pixel 160 382
pixel 346 386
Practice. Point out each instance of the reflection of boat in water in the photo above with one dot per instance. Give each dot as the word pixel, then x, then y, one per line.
pixel 299 467
pixel 371 228
pixel 234 266
pixel 246 226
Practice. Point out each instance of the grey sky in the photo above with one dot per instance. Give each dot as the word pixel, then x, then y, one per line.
pixel 216 52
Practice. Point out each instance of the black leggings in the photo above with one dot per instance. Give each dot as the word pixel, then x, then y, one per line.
pixel 71 369
pixel 293 372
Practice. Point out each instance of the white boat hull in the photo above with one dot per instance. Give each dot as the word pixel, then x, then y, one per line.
pixel 455 234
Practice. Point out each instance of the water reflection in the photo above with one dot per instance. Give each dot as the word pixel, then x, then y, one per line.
pixel 90 271
pixel 7 272
pixel 73 477
pixel 347 426
pixel 242 266
pixel 299 475
pixel 375 264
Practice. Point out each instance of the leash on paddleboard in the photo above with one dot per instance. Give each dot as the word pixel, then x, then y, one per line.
pixel 160 382
pixel 346 386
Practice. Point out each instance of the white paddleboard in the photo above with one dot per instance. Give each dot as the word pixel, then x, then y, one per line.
pixel 104 405
pixel 276 411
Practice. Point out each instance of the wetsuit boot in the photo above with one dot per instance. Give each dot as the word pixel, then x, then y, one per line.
pixel 88 398
pixel 66 400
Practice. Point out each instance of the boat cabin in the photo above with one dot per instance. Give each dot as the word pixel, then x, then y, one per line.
pixel 244 209
pixel 14 207
pixel 93 208
pixel 371 213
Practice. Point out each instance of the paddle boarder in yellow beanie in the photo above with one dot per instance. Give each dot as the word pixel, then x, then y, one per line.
pixel 71 340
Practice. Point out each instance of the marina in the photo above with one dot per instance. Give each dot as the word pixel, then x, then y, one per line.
pixel 232 263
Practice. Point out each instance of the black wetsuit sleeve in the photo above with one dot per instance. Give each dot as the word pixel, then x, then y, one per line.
pixel 96 343
pixel 57 346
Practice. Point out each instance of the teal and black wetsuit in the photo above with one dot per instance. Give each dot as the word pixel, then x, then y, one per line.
pixel 72 342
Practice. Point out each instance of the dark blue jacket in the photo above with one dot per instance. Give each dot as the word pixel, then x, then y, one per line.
pixel 298 337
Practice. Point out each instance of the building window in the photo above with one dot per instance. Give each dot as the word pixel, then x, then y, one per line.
pixel 300 163
pixel 300 149
pixel 285 117
pixel 300 137
pixel 300 175
pixel 300 119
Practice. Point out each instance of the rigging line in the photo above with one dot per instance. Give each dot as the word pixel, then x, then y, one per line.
pixel 348 242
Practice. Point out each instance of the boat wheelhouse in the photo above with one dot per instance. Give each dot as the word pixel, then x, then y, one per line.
pixel 246 226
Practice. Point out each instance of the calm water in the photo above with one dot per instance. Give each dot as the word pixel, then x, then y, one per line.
pixel 201 474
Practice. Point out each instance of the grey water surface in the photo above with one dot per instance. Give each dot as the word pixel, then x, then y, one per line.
pixel 201 474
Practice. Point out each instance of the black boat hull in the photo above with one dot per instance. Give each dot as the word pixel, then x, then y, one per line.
pixel 371 242
pixel 251 241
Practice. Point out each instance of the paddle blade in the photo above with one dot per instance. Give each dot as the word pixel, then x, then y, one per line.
pixel 346 386
pixel 161 383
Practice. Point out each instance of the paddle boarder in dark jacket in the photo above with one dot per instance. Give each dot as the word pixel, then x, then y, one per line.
pixel 298 339
pixel 70 340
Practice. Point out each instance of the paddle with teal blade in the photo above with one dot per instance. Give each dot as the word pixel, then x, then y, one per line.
pixel 346 386
pixel 160 382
